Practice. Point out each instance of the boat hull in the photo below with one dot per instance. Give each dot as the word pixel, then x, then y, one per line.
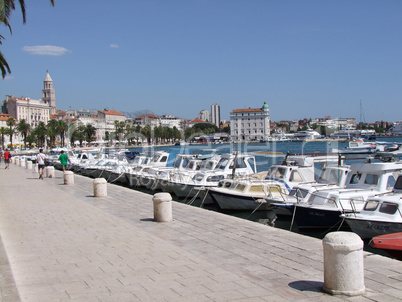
pixel 368 229
pixel 391 243
pixel 318 218
pixel 238 202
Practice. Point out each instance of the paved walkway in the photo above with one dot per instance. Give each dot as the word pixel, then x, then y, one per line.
pixel 62 244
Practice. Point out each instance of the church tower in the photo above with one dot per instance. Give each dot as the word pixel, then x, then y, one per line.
pixel 48 94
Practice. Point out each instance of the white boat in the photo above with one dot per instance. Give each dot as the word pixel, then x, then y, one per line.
pixel 331 177
pixel 229 165
pixel 102 167
pixel 391 153
pixel 148 176
pixel 251 193
pixel 307 135
pixel 346 134
pixel 142 163
pixel 322 209
pixel 359 146
pixel 380 215
pixel 176 182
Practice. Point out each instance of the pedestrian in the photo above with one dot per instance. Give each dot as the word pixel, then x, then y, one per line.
pixel 41 161
pixel 63 158
pixel 7 156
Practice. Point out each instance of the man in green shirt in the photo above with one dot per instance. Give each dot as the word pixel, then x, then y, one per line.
pixel 63 160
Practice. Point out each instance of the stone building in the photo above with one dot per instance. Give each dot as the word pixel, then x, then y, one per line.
pixel 33 111
pixel 250 124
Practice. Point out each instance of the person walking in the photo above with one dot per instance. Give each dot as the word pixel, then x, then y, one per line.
pixel 63 158
pixel 7 157
pixel 41 161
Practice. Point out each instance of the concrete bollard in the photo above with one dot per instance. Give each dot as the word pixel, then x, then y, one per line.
pixel 162 207
pixel 68 178
pixel 28 165
pixel 22 163
pixel 100 187
pixel 343 264
pixel 16 161
pixel 49 172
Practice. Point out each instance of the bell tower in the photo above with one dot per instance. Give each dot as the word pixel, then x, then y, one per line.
pixel 48 94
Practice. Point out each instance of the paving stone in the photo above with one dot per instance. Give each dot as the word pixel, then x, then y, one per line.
pixel 61 244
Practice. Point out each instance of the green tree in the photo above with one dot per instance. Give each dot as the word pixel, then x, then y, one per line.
pixel 62 128
pixel 3 132
pixel 78 135
pixel 147 133
pixel 40 133
pixel 52 131
pixel 11 131
pixel 6 8
pixel 90 132
pixel 24 128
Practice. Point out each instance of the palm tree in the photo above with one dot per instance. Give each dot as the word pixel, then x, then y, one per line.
pixel 78 135
pixel 52 130
pixel 11 131
pixel 6 7
pixel 24 128
pixel 40 132
pixel 3 131
pixel 90 132
pixel 62 127
pixel 147 132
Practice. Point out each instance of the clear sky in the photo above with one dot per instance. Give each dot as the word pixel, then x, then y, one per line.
pixel 305 58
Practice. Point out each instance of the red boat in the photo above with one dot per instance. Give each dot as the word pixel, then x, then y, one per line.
pixel 391 243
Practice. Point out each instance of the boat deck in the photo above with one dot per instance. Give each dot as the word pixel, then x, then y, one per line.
pixel 59 243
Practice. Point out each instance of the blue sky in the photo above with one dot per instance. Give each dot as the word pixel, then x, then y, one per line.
pixel 305 58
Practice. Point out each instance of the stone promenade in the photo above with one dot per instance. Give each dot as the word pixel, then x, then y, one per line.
pixel 60 243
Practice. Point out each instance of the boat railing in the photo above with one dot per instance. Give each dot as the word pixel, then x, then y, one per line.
pixel 269 192
pixel 399 211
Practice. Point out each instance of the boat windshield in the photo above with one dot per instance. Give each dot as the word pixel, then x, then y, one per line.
pixel 330 176
pixel 222 164
pixel 388 208
pixel 299 193
pixel 371 205
pixel 276 172
pixel 371 179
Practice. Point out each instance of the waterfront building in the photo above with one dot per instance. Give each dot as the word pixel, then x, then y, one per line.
pixel 205 115
pixel 396 129
pixel 106 122
pixel 250 124
pixel 3 119
pixel 216 115
pixel 147 119
pixel 33 111
pixel 171 121
pixel 195 121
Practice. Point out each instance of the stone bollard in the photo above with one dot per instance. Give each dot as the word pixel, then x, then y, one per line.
pixel 16 161
pixel 100 187
pixel 22 163
pixel 28 165
pixel 50 171
pixel 343 264
pixel 162 207
pixel 68 177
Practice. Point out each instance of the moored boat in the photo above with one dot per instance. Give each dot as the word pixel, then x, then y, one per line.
pixel 323 209
pixel 391 243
